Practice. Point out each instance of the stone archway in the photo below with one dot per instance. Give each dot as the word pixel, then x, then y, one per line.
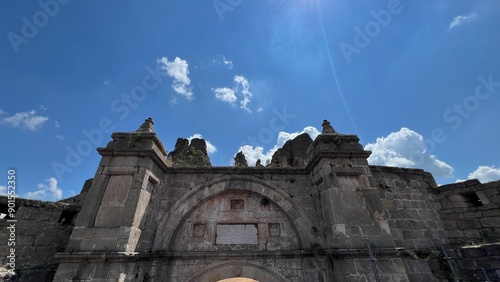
pixel 227 270
pixel 235 220
pixel 169 227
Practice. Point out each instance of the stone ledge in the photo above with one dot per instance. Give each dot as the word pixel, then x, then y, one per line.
pixel 101 257
pixel 151 153
pixel 455 186
pixel 391 169
pixel 239 170
pixel 138 136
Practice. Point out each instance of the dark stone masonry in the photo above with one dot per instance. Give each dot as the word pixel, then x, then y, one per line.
pixel 316 212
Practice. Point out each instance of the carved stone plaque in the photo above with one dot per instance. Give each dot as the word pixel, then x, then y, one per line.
pixel 236 234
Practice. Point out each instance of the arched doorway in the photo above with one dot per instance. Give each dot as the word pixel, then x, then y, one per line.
pixel 236 220
pixel 238 280
pixel 169 226
pixel 237 272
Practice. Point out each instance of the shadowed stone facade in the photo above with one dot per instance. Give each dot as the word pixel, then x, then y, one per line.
pixel 317 212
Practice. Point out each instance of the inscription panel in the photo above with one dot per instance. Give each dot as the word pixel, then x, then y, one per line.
pixel 241 234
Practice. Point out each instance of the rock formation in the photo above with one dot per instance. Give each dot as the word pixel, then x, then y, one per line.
pixel 240 160
pixel 293 153
pixel 186 154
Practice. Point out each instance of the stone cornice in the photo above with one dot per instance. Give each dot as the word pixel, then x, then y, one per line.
pixel 150 153
pixel 334 253
pixel 237 170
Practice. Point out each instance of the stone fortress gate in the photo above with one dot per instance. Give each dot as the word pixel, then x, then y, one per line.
pixel 317 212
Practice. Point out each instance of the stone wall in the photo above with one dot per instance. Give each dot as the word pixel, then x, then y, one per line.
pixel 469 263
pixel 470 211
pixel 41 230
pixel 411 212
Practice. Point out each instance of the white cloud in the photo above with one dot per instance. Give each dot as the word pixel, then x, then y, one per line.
pixel 230 95
pixel 3 190
pixel 43 108
pixel 285 136
pixel 106 82
pixel 485 174
pixel 406 148
pixel 243 87
pixel 458 20
pixel 252 154
pixel 46 191
pixel 221 60
pixel 56 124
pixel 173 101
pixel 28 120
pixel 225 95
pixel 178 70
pixel 210 147
pixel 60 137
pixel 226 62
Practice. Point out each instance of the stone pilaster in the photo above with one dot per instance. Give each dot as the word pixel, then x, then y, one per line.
pixel 350 203
pixel 113 217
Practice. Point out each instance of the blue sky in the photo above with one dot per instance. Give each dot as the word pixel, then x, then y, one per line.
pixel 417 81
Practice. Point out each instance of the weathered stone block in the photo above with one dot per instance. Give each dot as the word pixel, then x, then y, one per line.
pixel 65 271
pixel 412 234
pixel 468 224
pixel 98 244
pixel 459 205
pixel 358 216
pixel 83 233
pixel 388 204
pixel 490 213
pixel 84 271
pixel 472 215
pixel 109 216
pixel 490 222
pixel 112 232
pixel 457 198
pixel 473 234
pixel 117 190
pixel 455 234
